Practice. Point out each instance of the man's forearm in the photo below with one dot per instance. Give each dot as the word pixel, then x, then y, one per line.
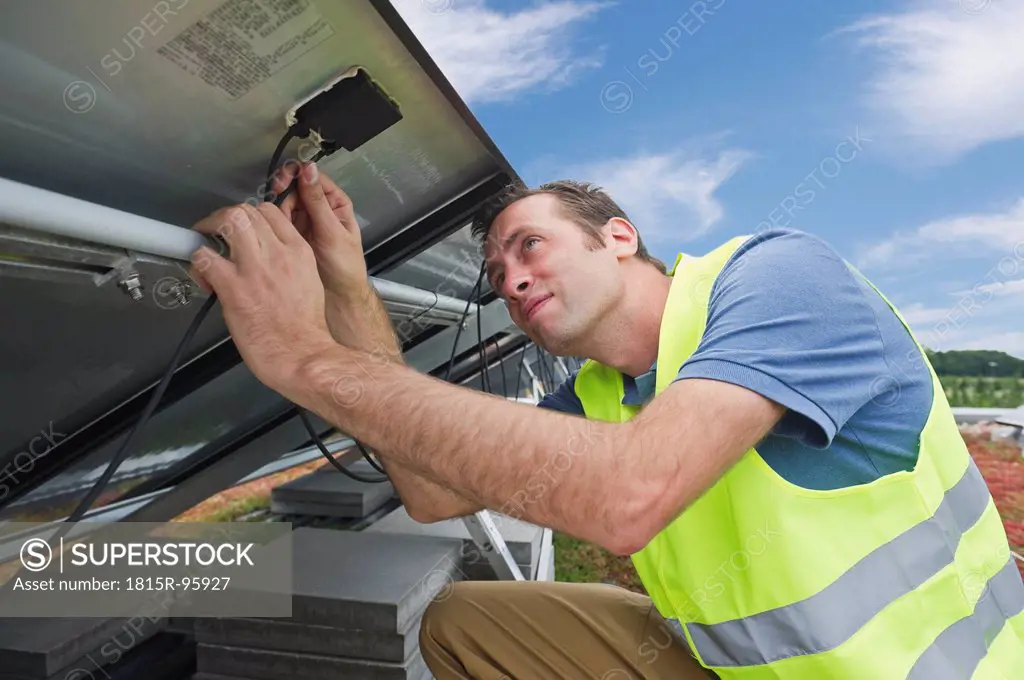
pixel 548 468
pixel 358 319
pixel 361 319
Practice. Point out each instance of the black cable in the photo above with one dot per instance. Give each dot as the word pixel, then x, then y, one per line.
pixel 86 503
pixel 462 322
pixel 334 461
pixel 426 311
pixel 94 492
pixel 295 180
pixel 485 378
pixel 497 349
pixel 154 399
pixel 275 159
pixel 501 364
pixel 369 459
pixel 519 372
pixel 278 200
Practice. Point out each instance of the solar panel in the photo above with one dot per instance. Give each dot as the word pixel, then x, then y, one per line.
pixel 169 112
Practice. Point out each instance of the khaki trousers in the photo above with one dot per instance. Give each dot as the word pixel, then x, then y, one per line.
pixel 516 630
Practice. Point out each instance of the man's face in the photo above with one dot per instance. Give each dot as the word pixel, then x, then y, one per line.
pixel 557 283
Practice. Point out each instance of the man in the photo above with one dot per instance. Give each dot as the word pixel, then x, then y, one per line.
pixel 756 427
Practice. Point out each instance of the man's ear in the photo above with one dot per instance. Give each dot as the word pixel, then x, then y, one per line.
pixel 624 238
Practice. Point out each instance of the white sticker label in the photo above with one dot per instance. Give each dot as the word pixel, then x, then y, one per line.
pixel 239 45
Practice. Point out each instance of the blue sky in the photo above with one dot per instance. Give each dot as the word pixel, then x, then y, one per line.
pixel 893 130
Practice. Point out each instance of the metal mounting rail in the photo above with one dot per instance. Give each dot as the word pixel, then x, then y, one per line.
pixel 86 235
pixel 492 545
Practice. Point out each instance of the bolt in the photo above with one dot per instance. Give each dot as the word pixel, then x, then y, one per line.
pixel 182 291
pixel 132 285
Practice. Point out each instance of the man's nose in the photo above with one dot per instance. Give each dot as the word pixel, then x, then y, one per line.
pixel 516 286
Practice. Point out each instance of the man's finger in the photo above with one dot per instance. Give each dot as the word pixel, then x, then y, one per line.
pixel 283 177
pixel 198 279
pixel 290 206
pixel 234 226
pixel 339 201
pixel 213 272
pixel 260 227
pixel 280 225
pixel 314 200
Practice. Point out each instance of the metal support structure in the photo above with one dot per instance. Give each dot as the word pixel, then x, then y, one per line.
pixel 561 364
pixel 93 242
pixel 48 211
pixel 488 539
pixel 226 472
pixel 434 352
pixel 545 563
pixel 538 386
pixel 119 510
pixel 69 220
pixel 430 229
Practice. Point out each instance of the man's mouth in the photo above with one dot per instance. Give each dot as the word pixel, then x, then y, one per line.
pixel 534 307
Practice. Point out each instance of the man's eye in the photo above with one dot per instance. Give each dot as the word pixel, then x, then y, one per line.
pixel 532 239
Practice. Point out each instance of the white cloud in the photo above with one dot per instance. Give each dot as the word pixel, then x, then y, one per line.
pixel 982 309
pixel 670 196
pixel 998 288
pixel 972 320
pixel 491 55
pixel 947 80
pixel 917 315
pixel 1011 342
pixel 952 238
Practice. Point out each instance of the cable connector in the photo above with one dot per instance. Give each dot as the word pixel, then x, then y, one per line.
pixel 346 113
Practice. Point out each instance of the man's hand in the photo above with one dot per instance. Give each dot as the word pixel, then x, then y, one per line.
pixel 323 214
pixel 271 294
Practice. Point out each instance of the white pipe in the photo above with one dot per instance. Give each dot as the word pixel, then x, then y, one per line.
pixel 34 208
pixel 48 211
pixel 422 299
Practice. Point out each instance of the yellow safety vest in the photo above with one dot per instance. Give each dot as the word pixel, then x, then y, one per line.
pixel 909 576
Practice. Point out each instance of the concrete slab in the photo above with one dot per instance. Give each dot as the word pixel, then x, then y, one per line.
pixel 523 539
pixel 329 486
pixel 427 675
pixel 375 582
pixel 339 510
pixel 303 638
pixel 41 647
pixel 181 624
pixel 260 664
pixel 47 647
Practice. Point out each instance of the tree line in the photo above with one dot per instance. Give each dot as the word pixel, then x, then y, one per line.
pixel 979 363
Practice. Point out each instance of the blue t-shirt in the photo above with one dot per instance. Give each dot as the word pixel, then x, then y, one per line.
pixel 789 320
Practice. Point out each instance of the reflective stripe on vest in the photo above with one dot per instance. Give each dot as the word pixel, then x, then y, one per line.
pixel 891 571
pixel 960 648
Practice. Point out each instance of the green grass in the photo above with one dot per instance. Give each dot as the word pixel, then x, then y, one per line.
pixel 235 509
pixel 578 561
pixel 980 392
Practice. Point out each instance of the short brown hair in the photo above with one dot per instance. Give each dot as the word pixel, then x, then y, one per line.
pixel 586 204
